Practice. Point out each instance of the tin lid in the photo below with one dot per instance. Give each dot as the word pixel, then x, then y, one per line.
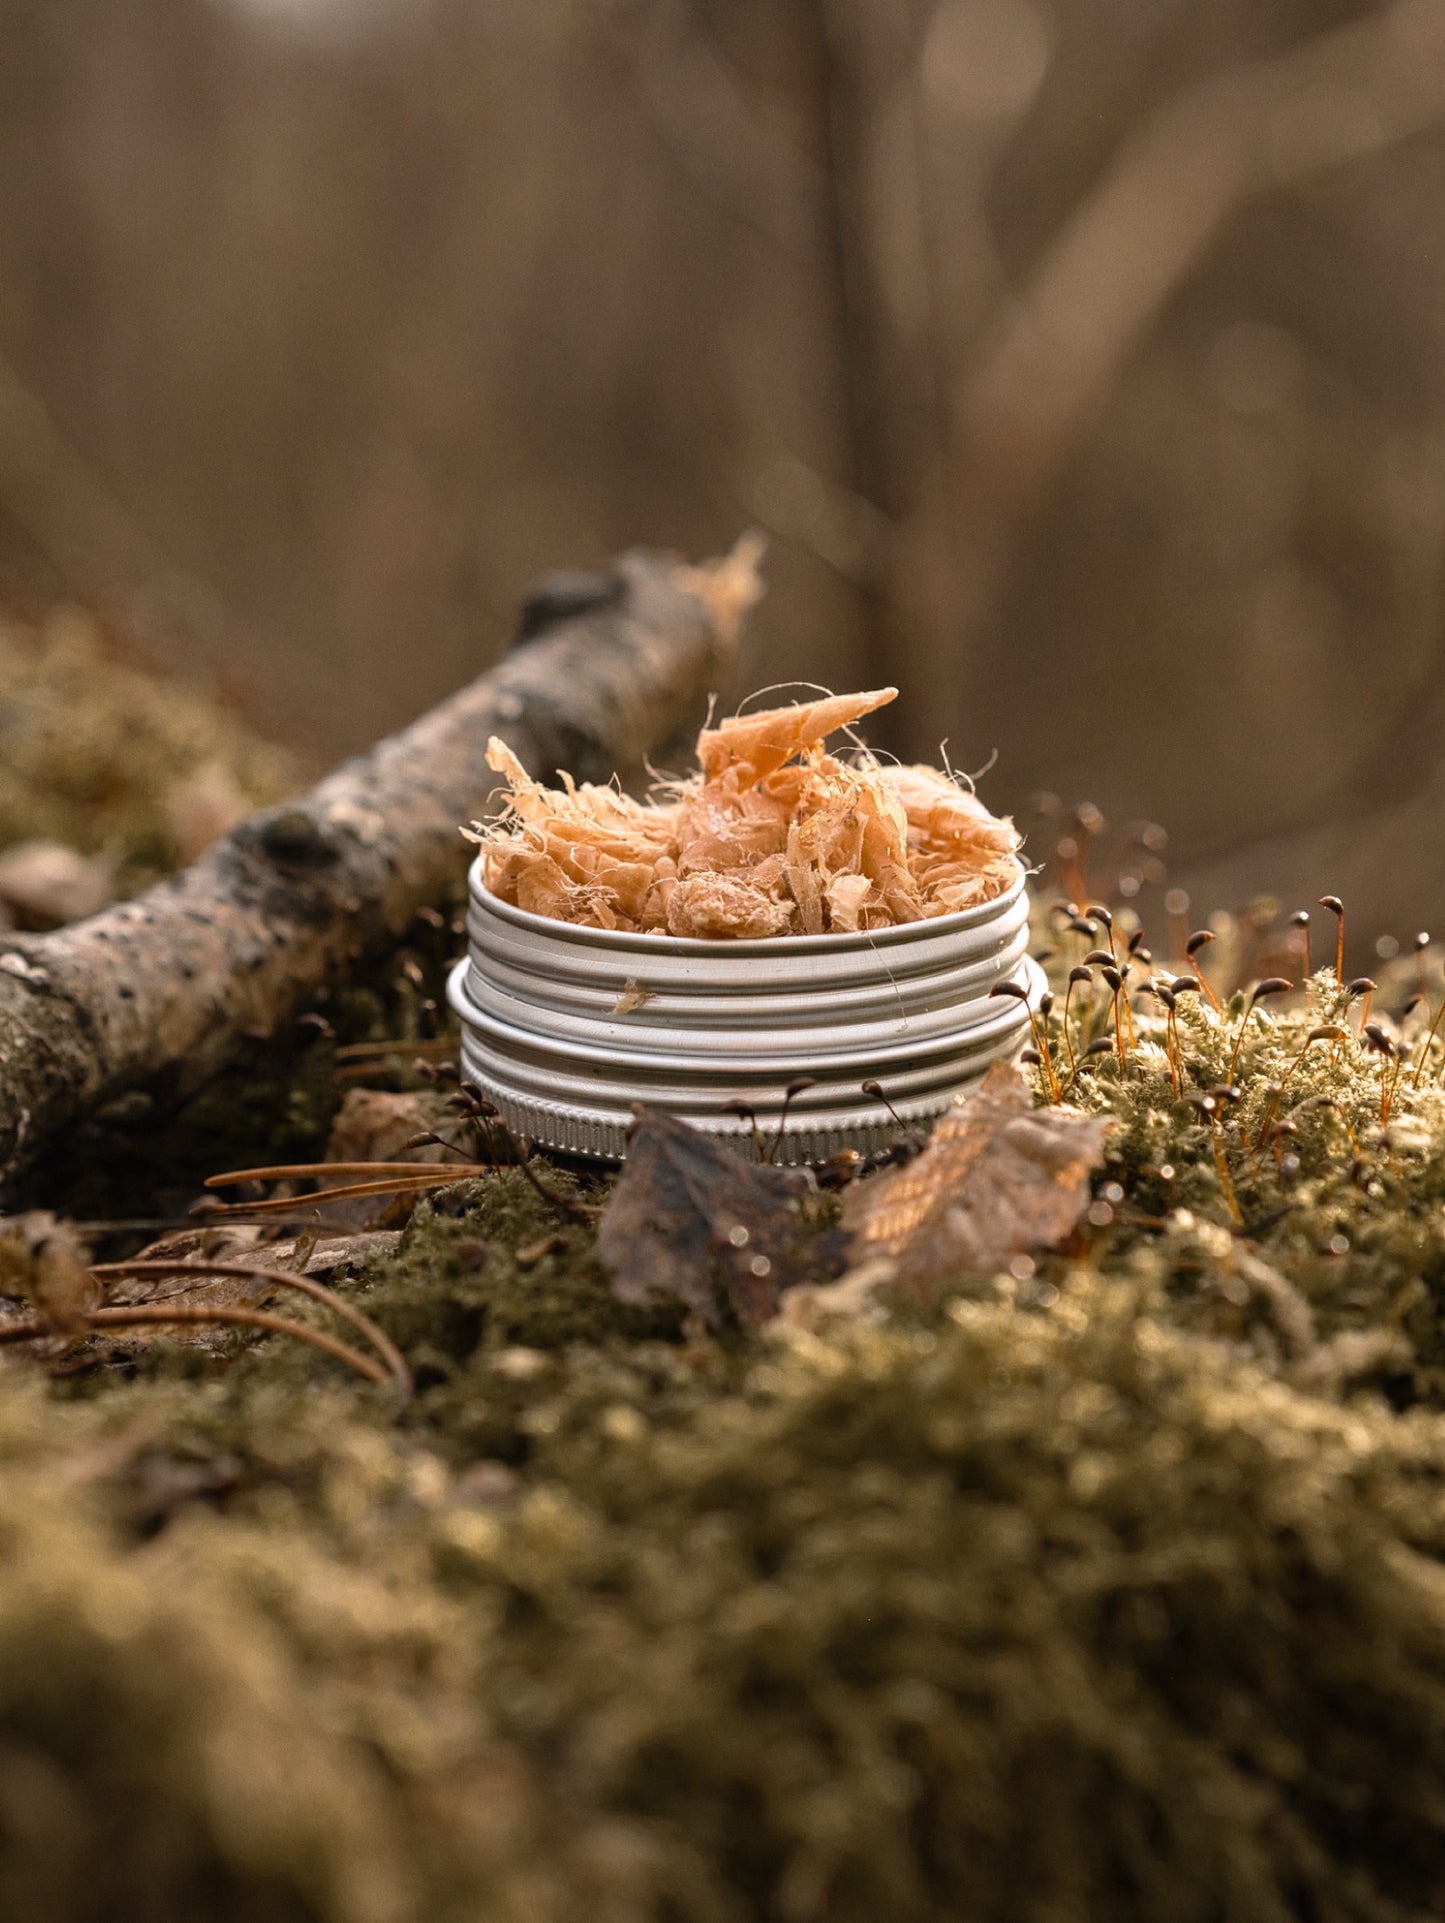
pixel 566 1029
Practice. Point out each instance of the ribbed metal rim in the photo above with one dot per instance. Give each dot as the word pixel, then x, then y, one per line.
pixel 881 993
pixel 651 1049
pixel 597 1131
pixel 565 934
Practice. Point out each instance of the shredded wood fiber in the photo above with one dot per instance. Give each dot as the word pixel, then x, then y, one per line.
pixel 774 836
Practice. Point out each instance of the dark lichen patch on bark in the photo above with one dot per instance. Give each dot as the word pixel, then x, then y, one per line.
pixel 144 1153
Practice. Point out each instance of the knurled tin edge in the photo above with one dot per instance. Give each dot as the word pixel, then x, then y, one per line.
pixel 806 1141
pixel 574 1133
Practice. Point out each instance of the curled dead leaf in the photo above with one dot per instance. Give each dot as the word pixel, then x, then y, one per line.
pixel 999 1178
pixel 691 1220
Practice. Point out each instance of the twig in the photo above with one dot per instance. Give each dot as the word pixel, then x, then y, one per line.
pixel 299 1171
pixel 347 1192
pixel 287 1278
pixel 165 990
pixel 36 1329
pixel 441 1046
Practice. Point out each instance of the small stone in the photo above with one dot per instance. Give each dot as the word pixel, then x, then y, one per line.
pixel 44 884
pixel 486 1483
pixel 520 1364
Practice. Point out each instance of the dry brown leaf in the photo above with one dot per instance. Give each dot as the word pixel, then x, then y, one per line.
pixel 220 1241
pixel 999 1178
pixel 691 1220
pixel 305 1254
pixel 44 1269
pixel 376 1125
pixel 229 1242
pixel 54 1306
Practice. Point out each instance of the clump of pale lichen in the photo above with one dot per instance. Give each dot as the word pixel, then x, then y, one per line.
pixel 104 758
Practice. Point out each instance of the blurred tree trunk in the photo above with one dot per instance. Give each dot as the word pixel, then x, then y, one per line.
pixel 1082 361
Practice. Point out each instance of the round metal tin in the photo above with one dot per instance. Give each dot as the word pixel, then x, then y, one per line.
pixel 567 1028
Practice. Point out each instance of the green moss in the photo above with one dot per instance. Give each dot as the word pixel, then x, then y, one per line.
pixel 1105 1590
pixel 109 759
pixel 1024 1616
pixel 1334 1271
pixel 152 1762
pixel 476 1298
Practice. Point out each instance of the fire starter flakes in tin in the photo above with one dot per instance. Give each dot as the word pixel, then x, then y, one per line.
pixel 773 837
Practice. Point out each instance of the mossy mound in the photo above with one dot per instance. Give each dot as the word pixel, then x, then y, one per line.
pixel 100 755
pixel 1104 1591
pixel 1303 1221
pixel 1021 1615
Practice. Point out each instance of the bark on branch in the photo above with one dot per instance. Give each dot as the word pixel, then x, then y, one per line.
pixel 158 992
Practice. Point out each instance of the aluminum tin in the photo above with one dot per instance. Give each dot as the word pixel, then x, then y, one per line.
pixel 729 1021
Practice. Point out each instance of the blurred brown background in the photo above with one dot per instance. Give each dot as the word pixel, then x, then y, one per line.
pixel 1084 359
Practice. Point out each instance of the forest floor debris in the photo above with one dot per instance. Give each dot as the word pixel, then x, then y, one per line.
pixel 1101 1579
pixel 1103 1584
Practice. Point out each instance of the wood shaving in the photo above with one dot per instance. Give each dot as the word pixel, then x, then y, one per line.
pixel 774 836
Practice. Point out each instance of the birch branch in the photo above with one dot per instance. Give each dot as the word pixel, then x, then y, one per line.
pixel 159 992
